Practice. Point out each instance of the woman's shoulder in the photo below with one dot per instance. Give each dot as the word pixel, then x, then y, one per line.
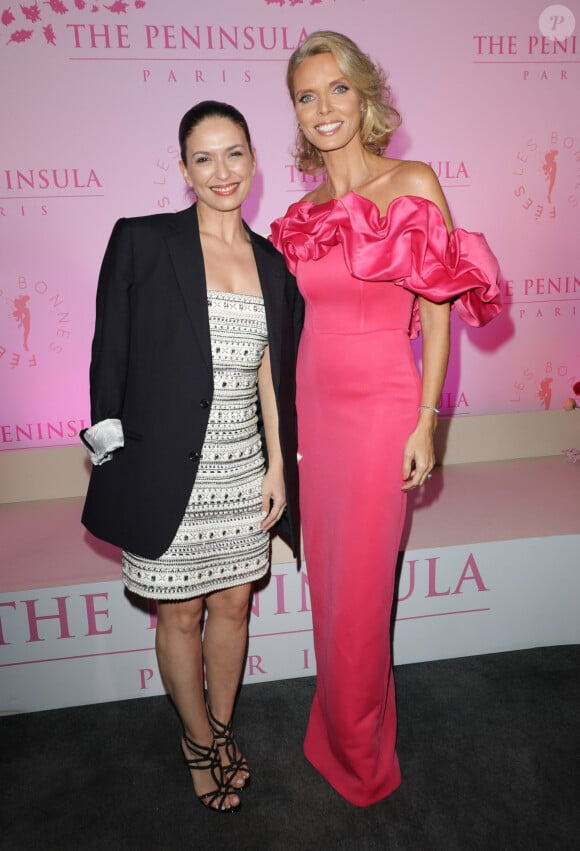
pixel 417 178
pixel 163 221
pixel 404 177
pixel 273 255
pixel 153 222
pixel 411 178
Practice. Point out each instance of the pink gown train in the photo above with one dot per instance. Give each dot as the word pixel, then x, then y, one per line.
pixel 357 397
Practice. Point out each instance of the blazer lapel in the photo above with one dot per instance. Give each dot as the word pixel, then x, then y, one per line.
pixel 187 258
pixel 186 255
pixel 272 283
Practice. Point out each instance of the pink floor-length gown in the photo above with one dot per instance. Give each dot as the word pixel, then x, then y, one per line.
pixel 357 397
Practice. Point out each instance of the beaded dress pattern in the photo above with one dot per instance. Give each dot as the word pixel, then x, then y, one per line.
pixel 219 542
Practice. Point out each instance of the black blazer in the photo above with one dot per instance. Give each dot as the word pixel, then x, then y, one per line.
pixel 151 368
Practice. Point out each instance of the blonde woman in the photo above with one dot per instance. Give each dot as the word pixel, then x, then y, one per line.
pixel 376 257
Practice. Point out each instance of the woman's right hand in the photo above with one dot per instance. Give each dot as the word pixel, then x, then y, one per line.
pixel 419 453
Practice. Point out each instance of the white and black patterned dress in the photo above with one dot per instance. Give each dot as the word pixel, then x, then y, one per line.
pixel 219 542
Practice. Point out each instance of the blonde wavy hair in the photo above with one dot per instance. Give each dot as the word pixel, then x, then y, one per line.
pixel 380 118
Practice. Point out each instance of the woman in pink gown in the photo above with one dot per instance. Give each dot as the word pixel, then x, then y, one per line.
pixel 376 258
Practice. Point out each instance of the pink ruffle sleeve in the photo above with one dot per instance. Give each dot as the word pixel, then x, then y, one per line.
pixel 409 246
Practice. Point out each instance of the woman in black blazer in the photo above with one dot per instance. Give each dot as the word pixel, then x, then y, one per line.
pixel 195 344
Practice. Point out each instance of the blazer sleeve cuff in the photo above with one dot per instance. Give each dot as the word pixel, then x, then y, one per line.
pixel 102 439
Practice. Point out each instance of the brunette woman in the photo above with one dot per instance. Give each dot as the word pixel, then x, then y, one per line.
pixel 196 330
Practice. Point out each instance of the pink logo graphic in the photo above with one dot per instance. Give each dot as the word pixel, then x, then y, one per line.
pixel 53 327
pixel 22 316
pixel 545 382
pixel 33 14
pixel 545 392
pixel 550 168
pixel 550 158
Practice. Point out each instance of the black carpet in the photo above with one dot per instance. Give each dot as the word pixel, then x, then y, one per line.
pixel 489 747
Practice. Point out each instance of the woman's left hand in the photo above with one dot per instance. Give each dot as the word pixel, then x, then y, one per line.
pixel 273 497
pixel 418 458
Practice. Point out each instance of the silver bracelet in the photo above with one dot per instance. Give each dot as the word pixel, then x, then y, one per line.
pixel 430 408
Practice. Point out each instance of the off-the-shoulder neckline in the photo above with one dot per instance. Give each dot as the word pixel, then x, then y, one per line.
pixel 386 218
pixel 355 194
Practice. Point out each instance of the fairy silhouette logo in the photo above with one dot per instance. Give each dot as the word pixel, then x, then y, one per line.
pixel 545 172
pixel 34 323
pixel 27 22
pixel 550 168
pixel 22 315
pixel 545 392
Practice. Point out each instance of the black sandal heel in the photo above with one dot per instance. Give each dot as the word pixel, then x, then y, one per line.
pixel 224 738
pixel 208 759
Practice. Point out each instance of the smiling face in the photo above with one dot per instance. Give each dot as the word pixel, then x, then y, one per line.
pixel 328 108
pixel 219 164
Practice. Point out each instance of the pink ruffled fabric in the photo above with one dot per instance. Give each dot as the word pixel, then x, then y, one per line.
pixel 408 246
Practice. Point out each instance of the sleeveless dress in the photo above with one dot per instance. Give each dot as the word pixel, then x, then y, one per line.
pixel 357 395
pixel 219 542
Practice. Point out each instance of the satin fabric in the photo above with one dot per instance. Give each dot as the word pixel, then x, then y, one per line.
pixel 357 394
pixel 409 246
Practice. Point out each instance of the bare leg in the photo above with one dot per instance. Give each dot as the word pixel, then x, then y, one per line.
pixel 179 656
pixel 225 643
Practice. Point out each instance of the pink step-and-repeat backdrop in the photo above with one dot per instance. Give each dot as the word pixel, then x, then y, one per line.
pixel 92 97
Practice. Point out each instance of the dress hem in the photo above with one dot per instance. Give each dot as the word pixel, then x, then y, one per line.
pixel 351 798
pixel 188 595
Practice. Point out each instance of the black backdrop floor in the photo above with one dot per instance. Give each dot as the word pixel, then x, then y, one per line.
pixel 489 748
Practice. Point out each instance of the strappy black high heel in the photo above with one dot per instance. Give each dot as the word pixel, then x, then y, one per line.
pixel 208 759
pixel 223 737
